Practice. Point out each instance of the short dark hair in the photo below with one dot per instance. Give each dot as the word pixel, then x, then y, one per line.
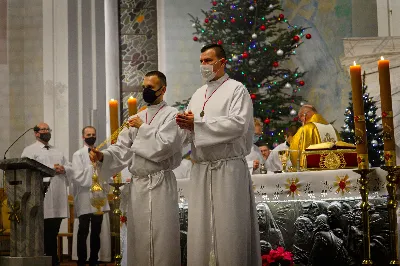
pixel 161 77
pixel 83 130
pixel 219 50
pixel 292 130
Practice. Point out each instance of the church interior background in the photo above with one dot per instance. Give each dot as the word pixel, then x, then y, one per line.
pixel 62 61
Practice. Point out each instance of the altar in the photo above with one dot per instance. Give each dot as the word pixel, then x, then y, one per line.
pixel 310 213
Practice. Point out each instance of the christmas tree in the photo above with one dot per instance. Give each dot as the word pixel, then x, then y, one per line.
pixel 374 128
pixel 259 42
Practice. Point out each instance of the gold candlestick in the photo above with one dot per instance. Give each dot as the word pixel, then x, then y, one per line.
pixel 392 180
pixel 117 214
pixel 365 214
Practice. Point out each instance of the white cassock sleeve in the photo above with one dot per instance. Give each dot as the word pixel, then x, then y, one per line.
pixel 223 129
pixel 159 144
pixel 117 156
pixel 79 173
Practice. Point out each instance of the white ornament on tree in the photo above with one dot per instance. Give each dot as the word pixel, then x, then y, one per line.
pixel 194 25
pixel 347 130
pixel 302 103
pixel 293 112
pixel 254 36
pixel 251 8
pixel 288 86
pixel 235 58
pixel 251 62
pixel 370 113
pixel 374 143
pixel 279 52
pixel 271 6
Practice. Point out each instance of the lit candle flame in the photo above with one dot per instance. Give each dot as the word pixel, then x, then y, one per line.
pixel 112 100
pixel 382 58
pixel 354 63
pixel 131 97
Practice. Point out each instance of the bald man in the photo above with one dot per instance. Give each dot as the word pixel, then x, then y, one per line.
pixel 56 198
pixel 315 130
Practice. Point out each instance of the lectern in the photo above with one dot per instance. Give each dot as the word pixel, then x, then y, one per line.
pixel 24 189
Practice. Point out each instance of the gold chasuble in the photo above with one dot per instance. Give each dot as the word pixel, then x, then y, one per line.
pixel 306 136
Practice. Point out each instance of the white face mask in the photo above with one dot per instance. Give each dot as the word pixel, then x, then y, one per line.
pixel 207 71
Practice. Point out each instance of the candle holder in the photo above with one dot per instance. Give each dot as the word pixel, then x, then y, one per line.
pixel 392 179
pixel 365 214
pixel 117 213
pixel 283 156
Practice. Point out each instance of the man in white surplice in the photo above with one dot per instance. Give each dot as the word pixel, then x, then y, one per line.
pixel 56 198
pixel 96 226
pixel 273 162
pixel 223 228
pixel 152 147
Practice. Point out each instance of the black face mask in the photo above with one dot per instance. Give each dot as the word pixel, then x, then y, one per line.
pixel 149 96
pixel 90 141
pixel 45 137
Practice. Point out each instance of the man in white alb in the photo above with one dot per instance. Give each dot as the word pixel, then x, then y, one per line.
pixel 223 228
pixel 56 198
pixel 152 147
pixel 89 223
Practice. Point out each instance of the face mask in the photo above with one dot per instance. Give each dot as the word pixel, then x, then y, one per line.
pixel 90 141
pixel 45 137
pixel 207 71
pixel 149 96
pixel 256 138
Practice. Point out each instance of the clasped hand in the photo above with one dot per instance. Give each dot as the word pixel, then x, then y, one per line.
pixel 60 170
pixel 185 120
pixel 135 122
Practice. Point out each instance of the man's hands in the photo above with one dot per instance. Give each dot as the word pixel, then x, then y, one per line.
pixel 186 120
pixel 60 170
pixel 95 155
pixel 256 164
pixel 135 122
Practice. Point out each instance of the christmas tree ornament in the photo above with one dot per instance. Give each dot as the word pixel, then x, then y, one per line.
pixel 194 25
pixel 215 3
pixel 370 113
pixel 251 8
pixel 288 86
pixel 267 121
pixel 219 42
pixel 374 143
pixel 281 16
pixel 279 52
pixel 271 6
pixel 275 64
pixel 301 82
pixel 206 20
pixel 195 39
pixel 347 130
pixel 251 62
pixel 233 7
pixel 308 36
pixel 293 112
pixel 245 55
pixel 233 20
pixel 253 96
pixel 296 38
pixel 254 36
pixel 235 58
pixel 301 103
pixel 263 27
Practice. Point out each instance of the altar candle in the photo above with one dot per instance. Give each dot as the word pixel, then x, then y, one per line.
pixel 132 106
pixel 113 104
pixel 387 112
pixel 359 117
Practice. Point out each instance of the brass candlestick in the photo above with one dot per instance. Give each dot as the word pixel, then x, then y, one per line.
pixel 392 180
pixel 117 213
pixel 365 213
pixel 98 199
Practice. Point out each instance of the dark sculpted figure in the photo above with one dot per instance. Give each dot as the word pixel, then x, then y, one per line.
pixel 302 240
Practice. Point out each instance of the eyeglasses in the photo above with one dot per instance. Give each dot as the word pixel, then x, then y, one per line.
pixel 45 129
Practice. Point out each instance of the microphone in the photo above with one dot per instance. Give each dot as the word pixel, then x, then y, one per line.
pixel 16 141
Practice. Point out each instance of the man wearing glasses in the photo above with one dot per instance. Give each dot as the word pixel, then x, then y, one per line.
pixel 56 198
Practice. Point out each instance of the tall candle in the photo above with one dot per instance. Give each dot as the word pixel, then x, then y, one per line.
pixel 132 106
pixel 387 112
pixel 359 117
pixel 113 115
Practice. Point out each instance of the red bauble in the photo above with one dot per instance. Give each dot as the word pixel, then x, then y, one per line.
pixel 263 28
pixel 296 38
pixel 267 121
pixel 308 36
pixel 206 20
pixel 245 55
pixel 281 16
pixel 195 39
pixel 301 83
pixel 253 96
pixel 219 42
pixel 233 20
pixel 215 3
pixel 275 64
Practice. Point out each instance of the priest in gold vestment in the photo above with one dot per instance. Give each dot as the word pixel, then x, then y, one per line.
pixel 315 130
